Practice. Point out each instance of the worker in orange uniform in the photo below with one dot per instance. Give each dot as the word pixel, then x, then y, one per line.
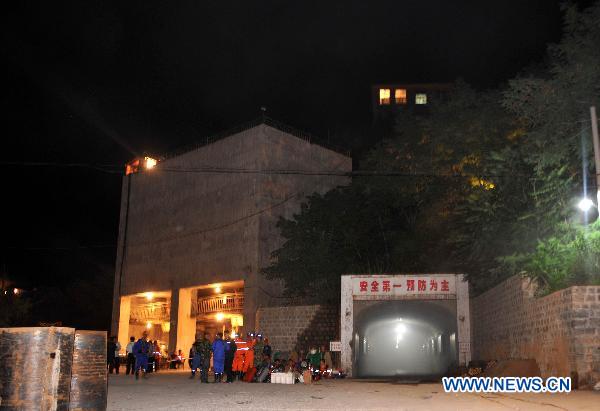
pixel 239 357
pixel 249 357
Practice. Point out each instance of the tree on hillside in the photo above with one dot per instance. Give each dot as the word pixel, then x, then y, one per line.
pixel 554 109
pixel 396 214
pixel 484 185
pixel 530 219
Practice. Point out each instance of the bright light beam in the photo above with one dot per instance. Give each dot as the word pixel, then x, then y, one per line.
pixel 585 205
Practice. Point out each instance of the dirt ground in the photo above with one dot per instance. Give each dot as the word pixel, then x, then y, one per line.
pixel 174 391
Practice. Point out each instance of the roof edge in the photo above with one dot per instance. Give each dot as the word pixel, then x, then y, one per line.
pixel 308 137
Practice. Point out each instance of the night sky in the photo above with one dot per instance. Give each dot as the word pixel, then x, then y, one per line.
pixel 100 82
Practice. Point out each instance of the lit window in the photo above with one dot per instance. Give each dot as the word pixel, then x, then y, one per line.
pixel 420 98
pixel 400 96
pixel 384 96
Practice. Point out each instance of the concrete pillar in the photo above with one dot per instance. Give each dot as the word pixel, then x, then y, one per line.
pixel 346 324
pixel 122 330
pixel 464 320
pixel 182 332
pixel 121 253
pixel 116 315
pixel 253 297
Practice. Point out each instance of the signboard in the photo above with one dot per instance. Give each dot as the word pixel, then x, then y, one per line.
pixel 418 285
pixel 335 346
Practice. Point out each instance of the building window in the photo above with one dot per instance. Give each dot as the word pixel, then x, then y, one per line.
pixel 400 96
pixel 420 98
pixel 384 96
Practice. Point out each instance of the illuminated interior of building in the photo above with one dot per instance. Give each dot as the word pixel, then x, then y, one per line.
pixel 219 307
pixel 400 96
pixel 150 312
pixel 384 96
pixel 208 308
pixel 420 98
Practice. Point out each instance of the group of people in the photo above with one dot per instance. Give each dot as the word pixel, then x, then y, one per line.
pixel 232 358
pixel 140 356
pixel 248 359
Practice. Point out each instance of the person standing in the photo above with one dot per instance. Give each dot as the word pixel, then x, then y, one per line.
pixel 249 357
pixel 140 350
pixel 195 359
pixel 117 358
pixel 239 356
pixel 205 351
pixel 258 351
pixel 230 349
pixel 218 348
pixel 130 357
pixel 110 354
pixel 156 355
pixel 267 348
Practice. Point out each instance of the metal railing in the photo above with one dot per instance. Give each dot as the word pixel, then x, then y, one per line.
pixel 308 137
pixel 154 312
pixel 218 303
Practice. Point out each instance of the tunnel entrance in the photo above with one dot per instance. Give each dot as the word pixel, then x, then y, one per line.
pixel 404 338
pixel 410 325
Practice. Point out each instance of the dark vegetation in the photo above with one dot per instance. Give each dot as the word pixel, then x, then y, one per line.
pixel 486 184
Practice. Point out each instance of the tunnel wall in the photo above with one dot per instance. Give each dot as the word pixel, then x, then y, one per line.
pixel 375 324
pixel 561 331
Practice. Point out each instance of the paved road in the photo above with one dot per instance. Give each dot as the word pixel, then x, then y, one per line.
pixel 174 391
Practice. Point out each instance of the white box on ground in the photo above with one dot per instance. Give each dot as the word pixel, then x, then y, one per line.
pixel 282 378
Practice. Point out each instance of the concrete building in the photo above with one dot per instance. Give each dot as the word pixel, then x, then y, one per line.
pixel 196 229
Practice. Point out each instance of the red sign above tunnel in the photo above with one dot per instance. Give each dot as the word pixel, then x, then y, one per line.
pixel 404 286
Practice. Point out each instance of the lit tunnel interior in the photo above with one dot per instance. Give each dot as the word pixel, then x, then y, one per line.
pixel 405 339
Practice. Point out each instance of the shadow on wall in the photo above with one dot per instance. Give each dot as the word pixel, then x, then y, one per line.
pixel 404 339
pixel 323 328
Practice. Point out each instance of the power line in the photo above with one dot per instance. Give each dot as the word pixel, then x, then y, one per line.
pixel 82 247
pixel 214 228
pixel 117 169
pixel 106 168
pixel 333 173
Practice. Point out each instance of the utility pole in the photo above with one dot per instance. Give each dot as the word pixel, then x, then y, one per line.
pixel 596 140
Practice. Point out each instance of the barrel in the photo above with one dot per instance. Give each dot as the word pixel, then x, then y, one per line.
pixel 88 379
pixel 35 368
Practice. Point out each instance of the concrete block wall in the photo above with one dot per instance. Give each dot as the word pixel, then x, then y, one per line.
pixel 561 331
pixel 298 327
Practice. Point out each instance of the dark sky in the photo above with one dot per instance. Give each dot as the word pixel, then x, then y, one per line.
pixel 99 81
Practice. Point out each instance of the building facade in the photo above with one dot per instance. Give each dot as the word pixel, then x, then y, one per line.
pixel 388 99
pixel 196 229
